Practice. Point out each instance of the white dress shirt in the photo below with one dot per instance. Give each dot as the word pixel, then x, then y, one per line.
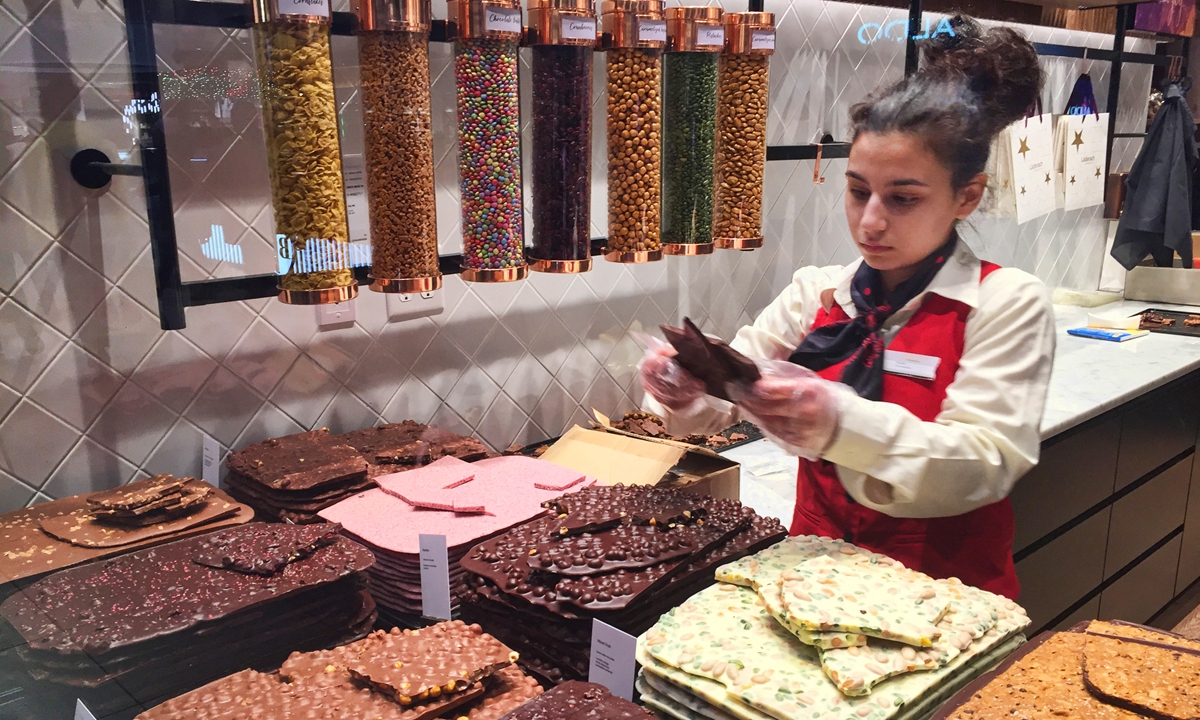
pixel 986 435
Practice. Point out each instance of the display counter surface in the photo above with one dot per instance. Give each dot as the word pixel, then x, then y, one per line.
pixel 1093 376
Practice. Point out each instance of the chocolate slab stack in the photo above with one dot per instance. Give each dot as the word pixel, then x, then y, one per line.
pixel 58 534
pixel 465 502
pixel 576 700
pixel 450 670
pixel 621 554
pixel 395 447
pixel 292 478
pixel 161 621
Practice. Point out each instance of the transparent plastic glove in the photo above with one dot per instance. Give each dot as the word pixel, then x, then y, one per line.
pixel 795 407
pixel 665 380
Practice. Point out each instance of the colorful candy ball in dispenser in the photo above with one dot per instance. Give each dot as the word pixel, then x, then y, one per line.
pixel 695 36
pixel 635 34
pixel 300 121
pixel 742 130
pixel 563 36
pixel 393 58
pixel 489 138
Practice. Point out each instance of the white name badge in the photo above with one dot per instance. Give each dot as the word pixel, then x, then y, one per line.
pixel 500 19
pixel 304 7
pixel 707 36
pixel 579 29
pixel 652 30
pixel 910 364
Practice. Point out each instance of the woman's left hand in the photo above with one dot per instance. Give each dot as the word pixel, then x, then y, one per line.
pixel 793 406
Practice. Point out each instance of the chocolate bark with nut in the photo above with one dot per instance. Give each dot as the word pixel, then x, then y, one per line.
pixel 440 660
pixel 411 443
pixel 299 462
pixel 260 550
pixel 142 494
pixel 86 609
pixel 576 700
pixel 1159 681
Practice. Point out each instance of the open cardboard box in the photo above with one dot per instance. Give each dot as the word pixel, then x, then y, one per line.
pixel 614 456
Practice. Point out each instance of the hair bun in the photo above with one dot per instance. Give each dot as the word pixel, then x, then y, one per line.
pixel 999 64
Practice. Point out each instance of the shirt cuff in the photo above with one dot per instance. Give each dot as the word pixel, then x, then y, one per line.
pixel 854 446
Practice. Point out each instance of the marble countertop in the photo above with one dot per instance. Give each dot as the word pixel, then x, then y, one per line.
pixel 1092 376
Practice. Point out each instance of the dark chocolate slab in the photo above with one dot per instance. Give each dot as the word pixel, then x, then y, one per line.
pixel 87 609
pixel 411 443
pixel 711 361
pixel 299 462
pixel 576 700
pixel 262 550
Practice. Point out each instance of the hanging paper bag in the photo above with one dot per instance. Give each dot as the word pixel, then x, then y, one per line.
pixel 1080 150
pixel 1031 143
pixel 998 200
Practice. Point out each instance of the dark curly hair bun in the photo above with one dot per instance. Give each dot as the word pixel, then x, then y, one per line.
pixel 999 65
pixel 971 84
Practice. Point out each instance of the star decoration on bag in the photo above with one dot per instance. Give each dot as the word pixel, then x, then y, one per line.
pixel 1097 172
pixel 1078 140
pixel 1022 189
pixel 1072 179
pixel 1024 147
pixel 1047 177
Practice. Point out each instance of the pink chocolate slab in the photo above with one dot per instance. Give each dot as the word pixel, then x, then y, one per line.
pixel 507 486
pixel 438 486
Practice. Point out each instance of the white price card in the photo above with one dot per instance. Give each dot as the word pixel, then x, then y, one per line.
pixel 435 577
pixel 501 19
pixel 762 39
pixel 81 711
pixel 910 364
pixel 652 30
pixel 709 36
pixel 304 7
pixel 613 663
pixel 354 172
pixel 574 28
pixel 210 457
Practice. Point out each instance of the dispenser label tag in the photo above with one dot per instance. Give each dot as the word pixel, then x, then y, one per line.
pixel 210 456
pixel 579 28
pixel 304 7
pixel 354 172
pixel 435 577
pixel 613 664
pixel 502 19
pixel 708 36
pixel 762 39
pixel 652 30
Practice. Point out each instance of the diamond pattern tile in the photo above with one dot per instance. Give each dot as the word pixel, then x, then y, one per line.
pixel 511 362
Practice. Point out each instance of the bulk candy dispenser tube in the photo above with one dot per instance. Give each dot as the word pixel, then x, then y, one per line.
pixel 393 57
pixel 300 120
pixel 695 37
pixel 742 130
pixel 563 36
pixel 489 138
pixel 635 34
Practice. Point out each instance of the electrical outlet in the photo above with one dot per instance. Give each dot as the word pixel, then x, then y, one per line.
pixel 335 315
pixel 412 306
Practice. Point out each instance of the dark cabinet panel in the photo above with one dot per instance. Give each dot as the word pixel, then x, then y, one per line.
pixel 1056 576
pixel 1144 590
pixel 1072 476
pixel 1147 515
pixel 1158 430
pixel 1189 554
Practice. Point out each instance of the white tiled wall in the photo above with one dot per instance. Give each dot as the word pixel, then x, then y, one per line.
pixel 93 394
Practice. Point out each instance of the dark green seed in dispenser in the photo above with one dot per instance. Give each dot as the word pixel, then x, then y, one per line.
pixel 689 122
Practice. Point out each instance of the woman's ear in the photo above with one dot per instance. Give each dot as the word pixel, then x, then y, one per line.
pixel 970 195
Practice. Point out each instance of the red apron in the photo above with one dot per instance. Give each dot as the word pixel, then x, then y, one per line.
pixel 975 547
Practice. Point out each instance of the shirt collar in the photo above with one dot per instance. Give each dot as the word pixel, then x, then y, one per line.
pixel 957 280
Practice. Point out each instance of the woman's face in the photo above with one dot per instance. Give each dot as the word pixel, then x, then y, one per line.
pixel 900 202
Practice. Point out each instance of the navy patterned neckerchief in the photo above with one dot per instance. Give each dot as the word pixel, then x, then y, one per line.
pixel 860 339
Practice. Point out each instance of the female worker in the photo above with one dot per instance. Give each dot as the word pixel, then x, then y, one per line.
pixel 912 381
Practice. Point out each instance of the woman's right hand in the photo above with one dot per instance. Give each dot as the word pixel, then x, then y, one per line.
pixel 666 381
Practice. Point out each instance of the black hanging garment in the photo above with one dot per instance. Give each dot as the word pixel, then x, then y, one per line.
pixel 1157 219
